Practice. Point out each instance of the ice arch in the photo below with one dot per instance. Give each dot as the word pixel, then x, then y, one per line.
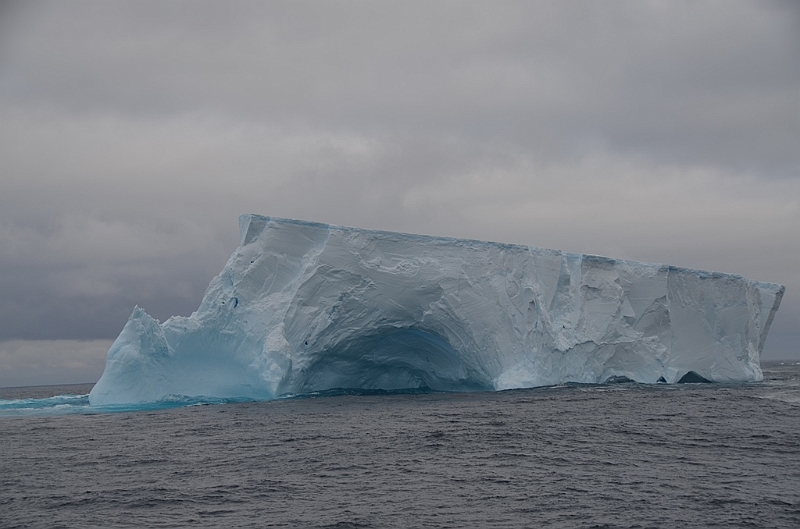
pixel 303 306
pixel 392 359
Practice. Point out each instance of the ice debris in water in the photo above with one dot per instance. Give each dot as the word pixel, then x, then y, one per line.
pixel 302 306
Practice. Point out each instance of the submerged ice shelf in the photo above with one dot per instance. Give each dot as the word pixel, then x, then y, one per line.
pixel 302 306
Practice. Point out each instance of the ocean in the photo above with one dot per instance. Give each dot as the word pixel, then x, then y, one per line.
pixel 618 455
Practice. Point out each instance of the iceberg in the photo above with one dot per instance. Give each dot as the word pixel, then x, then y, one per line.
pixel 303 307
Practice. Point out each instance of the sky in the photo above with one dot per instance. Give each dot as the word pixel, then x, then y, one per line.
pixel 133 134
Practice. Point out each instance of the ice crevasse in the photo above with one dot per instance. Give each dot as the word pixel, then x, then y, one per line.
pixel 303 306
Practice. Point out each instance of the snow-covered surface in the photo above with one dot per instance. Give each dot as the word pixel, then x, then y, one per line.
pixel 303 306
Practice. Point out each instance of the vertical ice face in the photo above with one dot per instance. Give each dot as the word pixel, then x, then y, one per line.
pixel 303 306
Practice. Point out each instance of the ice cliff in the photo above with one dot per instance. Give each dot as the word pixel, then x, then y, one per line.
pixel 302 306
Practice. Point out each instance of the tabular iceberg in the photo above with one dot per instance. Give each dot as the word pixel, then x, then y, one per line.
pixel 303 306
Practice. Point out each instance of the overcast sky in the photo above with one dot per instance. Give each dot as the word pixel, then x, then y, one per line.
pixel 132 135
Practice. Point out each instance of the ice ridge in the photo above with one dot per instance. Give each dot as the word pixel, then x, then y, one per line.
pixel 303 306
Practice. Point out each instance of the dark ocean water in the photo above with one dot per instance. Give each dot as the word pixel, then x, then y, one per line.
pixel 625 455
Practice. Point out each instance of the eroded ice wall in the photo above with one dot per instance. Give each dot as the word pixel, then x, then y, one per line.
pixel 303 306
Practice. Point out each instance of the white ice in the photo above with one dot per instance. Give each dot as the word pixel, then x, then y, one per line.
pixel 303 306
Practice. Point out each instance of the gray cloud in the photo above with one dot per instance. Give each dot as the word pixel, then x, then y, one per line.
pixel 42 362
pixel 134 133
pixel 702 82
